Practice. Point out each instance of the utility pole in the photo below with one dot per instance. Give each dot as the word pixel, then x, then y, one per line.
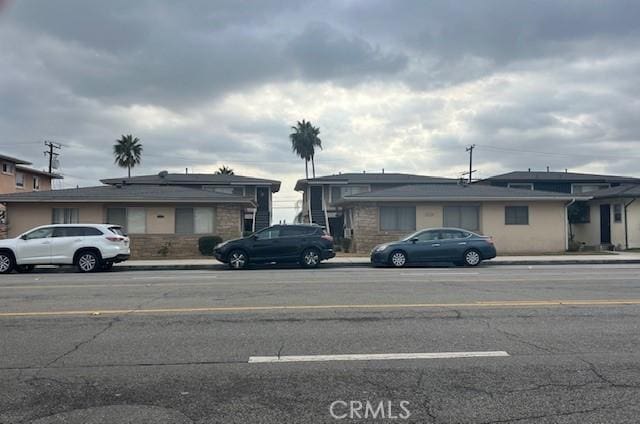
pixel 471 170
pixel 52 155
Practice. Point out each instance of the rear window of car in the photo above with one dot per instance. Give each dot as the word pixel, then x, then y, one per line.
pixel 117 230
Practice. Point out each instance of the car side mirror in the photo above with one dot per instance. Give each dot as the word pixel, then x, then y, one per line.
pixel 23 237
pixel 414 240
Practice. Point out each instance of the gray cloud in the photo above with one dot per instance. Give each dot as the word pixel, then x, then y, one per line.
pixel 400 86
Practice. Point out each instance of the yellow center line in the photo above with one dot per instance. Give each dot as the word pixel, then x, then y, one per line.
pixel 214 309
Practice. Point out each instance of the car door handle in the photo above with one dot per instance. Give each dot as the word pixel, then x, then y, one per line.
pixel 78 239
pixel 46 242
pixel 435 244
pixel 462 243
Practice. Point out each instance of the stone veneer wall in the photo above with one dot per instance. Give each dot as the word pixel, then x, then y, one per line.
pixel 366 229
pixel 176 246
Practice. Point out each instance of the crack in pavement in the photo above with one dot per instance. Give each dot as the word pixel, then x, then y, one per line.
pixel 558 414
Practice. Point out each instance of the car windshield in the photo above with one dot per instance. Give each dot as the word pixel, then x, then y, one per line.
pixel 412 235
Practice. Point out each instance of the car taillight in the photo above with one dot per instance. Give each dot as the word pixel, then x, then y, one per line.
pixel 115 239
pixel 327 237
pixel 490 239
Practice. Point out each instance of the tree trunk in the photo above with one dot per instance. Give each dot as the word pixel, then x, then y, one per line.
pixel 129 170
pixel 306 168
pixel 313 167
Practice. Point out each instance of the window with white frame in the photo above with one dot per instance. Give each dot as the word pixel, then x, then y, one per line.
pixel 19 179
pixel 521 186
pixel 199 220
pixel 586 188
pixel 466 217
pixel 133 220
pixel 516 215
pixel 65 215
pixel 397 218
pixel 8 168
pixel 338 192
pixel 617 213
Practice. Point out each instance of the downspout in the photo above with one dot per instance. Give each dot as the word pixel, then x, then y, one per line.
pixel 626 224
pixel 567 224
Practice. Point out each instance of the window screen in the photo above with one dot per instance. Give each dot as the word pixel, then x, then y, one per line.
pixel 397 218
pixel 184 221
pixel 467 217
pixel 516 215
pixel 65 215
pixel 117 216
pixel 204 220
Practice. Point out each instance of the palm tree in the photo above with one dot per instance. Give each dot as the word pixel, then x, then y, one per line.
pixel 224 170
pixel 127 152
pixel 304 140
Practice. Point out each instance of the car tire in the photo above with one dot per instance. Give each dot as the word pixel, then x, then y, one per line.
pixel 472 258
pixel 7 263
pixel 23 269
pixel 238 259
pixel 88 261
pixel 398 259
pixel 310 258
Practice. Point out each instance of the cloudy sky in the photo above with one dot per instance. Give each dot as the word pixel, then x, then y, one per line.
pixel 399 85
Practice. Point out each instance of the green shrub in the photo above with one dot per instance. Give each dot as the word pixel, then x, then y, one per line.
pixel 206 244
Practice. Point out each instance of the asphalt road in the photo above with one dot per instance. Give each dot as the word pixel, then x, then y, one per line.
pixel 181 347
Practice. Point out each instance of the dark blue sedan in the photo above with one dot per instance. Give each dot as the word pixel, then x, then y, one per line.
pixel 462 247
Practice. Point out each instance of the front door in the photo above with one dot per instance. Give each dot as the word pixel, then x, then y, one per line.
pixel 605 224
pixel 266 244
pixel 426 248
pixel 316 198
pixel 35 247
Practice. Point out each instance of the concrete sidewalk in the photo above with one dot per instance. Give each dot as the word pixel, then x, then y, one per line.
pixel 211 263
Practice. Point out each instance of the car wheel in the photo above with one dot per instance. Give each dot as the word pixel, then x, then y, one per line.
pixel 25 268
pixel 472 257
pixel 88 262
pixel 398 259
pixel 310 258
pixel 238 259
pixel 7 263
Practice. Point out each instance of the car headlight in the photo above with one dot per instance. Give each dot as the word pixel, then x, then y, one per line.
pixel 219 245
pixel 380 248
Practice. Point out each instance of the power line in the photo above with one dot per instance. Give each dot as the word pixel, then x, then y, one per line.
pixel 534 152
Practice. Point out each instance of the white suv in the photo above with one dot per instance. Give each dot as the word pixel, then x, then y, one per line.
pixel 90 247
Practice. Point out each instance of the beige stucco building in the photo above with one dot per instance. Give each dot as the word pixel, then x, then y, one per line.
pixel 520 221
pixel 611 218
pixel 160 220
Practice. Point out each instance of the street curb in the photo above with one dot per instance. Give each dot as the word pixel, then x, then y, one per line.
pixel 217 267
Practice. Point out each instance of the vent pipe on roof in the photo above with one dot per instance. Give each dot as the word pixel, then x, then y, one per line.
pixel 186 171
pixel 529 169
pixel 566 170
pixel 383 170
pixel 547 168
pixel 364 171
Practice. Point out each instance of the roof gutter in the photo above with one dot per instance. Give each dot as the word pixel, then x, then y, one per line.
pixel 626 223
pixel 460 199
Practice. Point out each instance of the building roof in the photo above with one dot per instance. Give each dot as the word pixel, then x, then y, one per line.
pixel 14 160
pixel 569 177
pixel 373 178
pixel 38 172
pixel 165 178
pixel 624 190
pixel 126 193
pixel 457 192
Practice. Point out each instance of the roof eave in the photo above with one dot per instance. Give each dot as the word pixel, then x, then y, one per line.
pixel 461 199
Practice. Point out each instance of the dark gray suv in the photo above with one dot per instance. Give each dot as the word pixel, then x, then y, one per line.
pixel 304 244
